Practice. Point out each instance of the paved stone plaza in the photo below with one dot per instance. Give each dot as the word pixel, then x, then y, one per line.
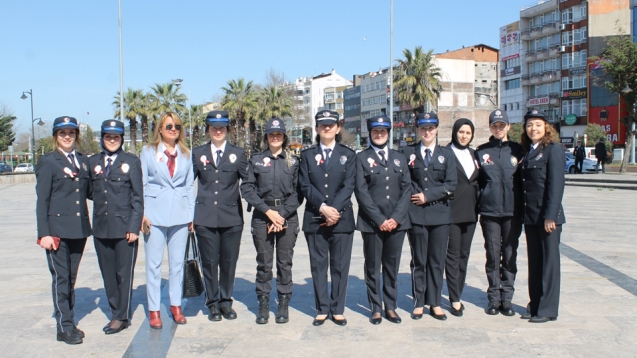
pixel 598 311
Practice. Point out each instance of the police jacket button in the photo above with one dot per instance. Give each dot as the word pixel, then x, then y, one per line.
pixel 387 178
pixel 77 190
pixel 105 213
pixel 426 179
pixel 425 169
pixel 77 203
pixel 216 181
pixel 326 175
pixel 387 196
pixel 387 187
pixel 106 202
pixel 386 169
pixel 78 214
pixel 58 215
pixel 215 193
pixel 105 191
pixel 326 185
pixel 215 203
pixel 77 179
pixel 216 171
pixel 326 196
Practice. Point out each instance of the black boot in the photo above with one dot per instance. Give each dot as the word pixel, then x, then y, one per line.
pixel 282 313
pixel 264 309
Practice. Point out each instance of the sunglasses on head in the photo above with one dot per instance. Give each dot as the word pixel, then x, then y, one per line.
pixel 169 127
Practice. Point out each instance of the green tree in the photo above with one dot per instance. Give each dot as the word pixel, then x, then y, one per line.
pixel 198 125
pixel 132 109
pixel 595 132
pixel 240 100
pixel 515 132
pixel 165 97
pixel 146 113
pixel 619 62
pixel 274 102
pixel 89 145
pixel 7 136
pixel 417 79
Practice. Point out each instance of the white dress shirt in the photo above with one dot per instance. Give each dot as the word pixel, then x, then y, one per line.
pixel 214 150
pixel 465 159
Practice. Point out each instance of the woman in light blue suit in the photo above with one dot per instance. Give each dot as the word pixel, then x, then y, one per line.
pixel 169 200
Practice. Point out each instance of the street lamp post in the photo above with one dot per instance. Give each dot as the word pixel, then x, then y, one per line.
pixel 24 96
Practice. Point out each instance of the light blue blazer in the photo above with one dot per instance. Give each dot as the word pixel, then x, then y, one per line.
pixel 167 201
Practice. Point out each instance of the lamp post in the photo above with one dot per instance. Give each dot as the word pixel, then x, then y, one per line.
pixel 24 96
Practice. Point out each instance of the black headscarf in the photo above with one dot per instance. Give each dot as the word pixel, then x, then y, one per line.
pixel 454 132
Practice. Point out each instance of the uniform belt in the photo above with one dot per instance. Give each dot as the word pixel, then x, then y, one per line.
pixel 273 202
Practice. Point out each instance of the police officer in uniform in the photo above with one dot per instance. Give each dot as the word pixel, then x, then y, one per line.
pixel 433 178
pixel 218 222
pixel 63 185
pixel 383 192
pixel 326 178
pixel 118 208
pixel 271 188
pixel 543 177
pixel 500 209
pixel 579 153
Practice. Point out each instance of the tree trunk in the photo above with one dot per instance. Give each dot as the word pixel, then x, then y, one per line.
pixel 133 136
pixel 144 122
pixel 196 141
pixel 627 150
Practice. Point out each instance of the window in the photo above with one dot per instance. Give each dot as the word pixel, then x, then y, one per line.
pixel 565 83
pixel 582 9
pixel 583 33
pixel 567 38
pixel 567 16
pixel 505 107
pixel 575 106
pixel 555 87
pixel 512 84
pixel 567 60
pixel 518 105
pixel 339 105
pixel 577 15
pixel 579 81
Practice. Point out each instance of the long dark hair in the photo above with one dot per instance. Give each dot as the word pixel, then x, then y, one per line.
pixel 288 154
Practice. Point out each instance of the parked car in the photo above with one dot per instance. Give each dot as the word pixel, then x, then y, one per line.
pixel 5 168
pixel 587 167
pixel 23 168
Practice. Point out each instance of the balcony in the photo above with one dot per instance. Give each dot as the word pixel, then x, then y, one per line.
pixel 551 75
pixel 554 98
pixel 554 50
pixel 531 55
pixel 525 34
pixel 550 28
pixel 542 52
pixel 526 80
pixel 536 77
pixel 536 30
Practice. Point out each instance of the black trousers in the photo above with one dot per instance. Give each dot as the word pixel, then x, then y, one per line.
pixel 333 250
pixel 601 161
pixel 265 244
pixel 382 249
pixel 63 265
pixel 219 251
pixel 458 249
pixel 544 269
pixel 116 258
pixel 501 240
pixel 428 251
pixel 579 165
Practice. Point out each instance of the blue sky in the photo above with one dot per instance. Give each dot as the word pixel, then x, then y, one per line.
pixel 67 51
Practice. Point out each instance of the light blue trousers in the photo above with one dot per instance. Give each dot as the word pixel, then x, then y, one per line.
pixel 176 237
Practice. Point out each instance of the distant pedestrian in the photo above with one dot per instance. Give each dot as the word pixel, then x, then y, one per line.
pixel 62 186
pixel 118 208
pixel 600 154
pixel 579 152
pixel 271 188
pixel 500 207
pixel 543 176
pixel 463 211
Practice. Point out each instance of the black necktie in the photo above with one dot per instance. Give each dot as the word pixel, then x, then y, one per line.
pixel 107 170
pixel 218 158
pixel 72 158
pixel 327 155
pixel 383 161
pixel 427 157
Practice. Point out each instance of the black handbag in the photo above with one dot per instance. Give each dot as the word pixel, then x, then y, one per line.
pixel 193 285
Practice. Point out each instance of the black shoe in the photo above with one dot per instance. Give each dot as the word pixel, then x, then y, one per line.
pixel 393 318
pixel 375 321
pixel 123 325
pixel 228 313
pixel 339 322
pixel 264 309
pixel 69 337
pixel 507 309
pixel 214 314
pixel 457 313
pixel 319 322
pixel 416 315
pixel 539 319
pixel 282 312
pixel 442 317
pixel 528 314
pixel 493 308
pixel 105 327
pixel 79 332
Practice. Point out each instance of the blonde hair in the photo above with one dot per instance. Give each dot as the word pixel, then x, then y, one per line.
pixel 181 139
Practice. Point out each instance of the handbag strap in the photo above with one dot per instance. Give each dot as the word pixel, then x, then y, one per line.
pixel 192 242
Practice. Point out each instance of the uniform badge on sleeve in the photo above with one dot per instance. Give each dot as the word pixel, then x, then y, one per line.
pixel 397 162
pixel 343 159
pixel 233 158
pixel 125 168
pixel 84 167
pixel 441 159
pixel 372 162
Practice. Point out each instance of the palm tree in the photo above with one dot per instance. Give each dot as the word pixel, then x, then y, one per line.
pixel 198 136
pixel 417 79
pixel 132 108
pixel 166 97
pixel 146 112
pixel 273 102
pixel 240 100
